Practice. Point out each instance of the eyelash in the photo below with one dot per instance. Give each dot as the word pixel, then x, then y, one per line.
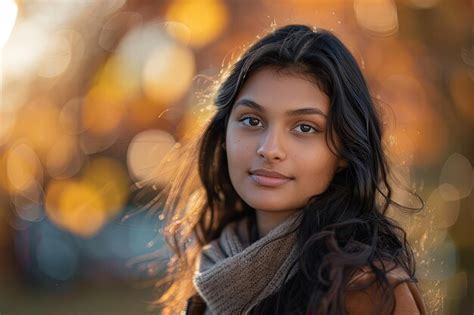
pixel 247 117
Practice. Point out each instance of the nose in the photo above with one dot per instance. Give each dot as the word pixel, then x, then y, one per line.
pixel 271 146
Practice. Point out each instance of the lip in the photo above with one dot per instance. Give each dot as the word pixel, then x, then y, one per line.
pixel 269 178
pixel 267 173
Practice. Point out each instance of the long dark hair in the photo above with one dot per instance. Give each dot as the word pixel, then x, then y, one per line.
pixel 343 229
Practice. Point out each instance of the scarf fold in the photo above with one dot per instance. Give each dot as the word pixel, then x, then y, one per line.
pixel 232 276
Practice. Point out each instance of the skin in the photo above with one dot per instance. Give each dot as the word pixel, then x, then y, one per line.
pixel 293 145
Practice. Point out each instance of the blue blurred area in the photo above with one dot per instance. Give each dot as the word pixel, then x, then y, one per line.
pixel 48 255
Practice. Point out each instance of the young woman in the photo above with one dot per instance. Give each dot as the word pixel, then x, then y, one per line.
pixel 279 207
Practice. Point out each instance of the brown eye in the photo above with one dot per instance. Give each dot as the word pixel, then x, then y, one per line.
pixel 307 129
pixel 251 121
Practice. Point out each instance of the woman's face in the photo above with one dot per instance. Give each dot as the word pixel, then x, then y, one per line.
pixel 278 124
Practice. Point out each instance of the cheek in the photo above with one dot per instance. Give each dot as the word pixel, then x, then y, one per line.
pixel 316 170
pixel 239 160
pixel 239 153
pixel 239 143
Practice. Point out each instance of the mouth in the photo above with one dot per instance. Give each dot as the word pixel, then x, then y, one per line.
pixel 269 181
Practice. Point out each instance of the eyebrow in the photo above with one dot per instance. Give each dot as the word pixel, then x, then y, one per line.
pixel 296 112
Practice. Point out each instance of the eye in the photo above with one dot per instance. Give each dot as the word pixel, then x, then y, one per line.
pixel 307 129
pixel 251 121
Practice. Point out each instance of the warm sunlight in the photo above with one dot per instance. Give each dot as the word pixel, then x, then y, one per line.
pixel 8 12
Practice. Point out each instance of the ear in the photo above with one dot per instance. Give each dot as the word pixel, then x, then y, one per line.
pixel 341 164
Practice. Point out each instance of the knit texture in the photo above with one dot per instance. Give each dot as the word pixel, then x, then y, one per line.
pixel 232 276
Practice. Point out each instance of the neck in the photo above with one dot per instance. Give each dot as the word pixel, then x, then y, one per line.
pixel 268 220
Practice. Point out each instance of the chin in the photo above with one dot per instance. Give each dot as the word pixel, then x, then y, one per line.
pixel 270 206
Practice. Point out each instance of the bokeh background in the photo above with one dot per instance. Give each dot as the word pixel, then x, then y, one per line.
pixel 96 93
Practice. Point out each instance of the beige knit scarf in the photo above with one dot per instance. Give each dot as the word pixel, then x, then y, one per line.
pixel 232 276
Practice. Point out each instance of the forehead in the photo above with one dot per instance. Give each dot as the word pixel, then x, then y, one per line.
pixel 277 90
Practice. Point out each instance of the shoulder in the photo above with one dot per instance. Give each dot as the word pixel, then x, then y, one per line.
pixel 364 293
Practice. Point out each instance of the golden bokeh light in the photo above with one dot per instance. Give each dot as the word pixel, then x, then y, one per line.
pixel 85 205
pixel 178 31
pixel 102 111
pixel 114 25
pixel 92 143
pixel 457 173
pixel 53 192
pixel 64 159
pixel 76 207
pixel 168 73
pixel 57 56
pixel 145 153
pixel 28 203
pixel 103 107
pixel 415 133
pixel 82 208
pixel 108 177
pixel 444 212
pixel 133 52
pixel 39 125
pixel 379 17
pixel 23 168
pixel 69 117
pixel 112 82
pixel 206 19
pixel 158 71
